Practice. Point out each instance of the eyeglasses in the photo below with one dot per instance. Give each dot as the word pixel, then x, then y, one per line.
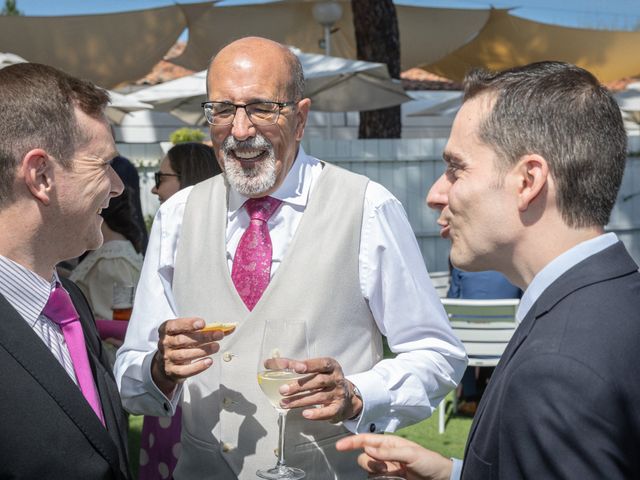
pixel 259 113
pixel 158 177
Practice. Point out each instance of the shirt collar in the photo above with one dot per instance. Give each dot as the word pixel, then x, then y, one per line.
pixel 559 265
pixel 25 290
pixel 294 189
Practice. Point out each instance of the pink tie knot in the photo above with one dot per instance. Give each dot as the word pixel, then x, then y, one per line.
pixel 262 208
pixel 59 307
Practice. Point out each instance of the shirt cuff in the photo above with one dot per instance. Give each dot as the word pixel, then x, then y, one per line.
pixel 375 405
pixel 456 469
pixel 169 405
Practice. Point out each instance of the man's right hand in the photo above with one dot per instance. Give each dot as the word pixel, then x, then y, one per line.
pixel 182 352
pixel 396 455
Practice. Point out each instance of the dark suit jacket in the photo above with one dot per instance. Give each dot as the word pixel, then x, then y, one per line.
pixel 47 429
pixel 564 401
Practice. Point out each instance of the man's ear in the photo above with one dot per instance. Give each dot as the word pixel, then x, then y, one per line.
pixel 533 177
pixel 302 113
pixel 37 173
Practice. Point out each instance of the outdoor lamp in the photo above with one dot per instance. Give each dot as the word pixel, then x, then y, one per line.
pixel 326 14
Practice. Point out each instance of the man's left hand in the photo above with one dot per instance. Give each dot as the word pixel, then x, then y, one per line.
pixel 325 387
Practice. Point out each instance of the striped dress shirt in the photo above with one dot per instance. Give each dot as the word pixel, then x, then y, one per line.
pixel 28 293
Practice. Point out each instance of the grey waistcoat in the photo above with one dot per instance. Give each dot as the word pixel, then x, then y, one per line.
pixel 229 428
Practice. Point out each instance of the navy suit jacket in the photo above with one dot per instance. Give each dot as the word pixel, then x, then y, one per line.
pixel 47 428
pixel 564 401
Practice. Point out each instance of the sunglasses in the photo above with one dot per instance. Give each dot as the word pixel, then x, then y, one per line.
pixel 158 177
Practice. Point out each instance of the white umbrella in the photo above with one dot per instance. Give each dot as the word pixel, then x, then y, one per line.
pixel 629 101
pixel 337 84
pixel 449 106
pixel 334 85
pixel 180 97
pixel 118 107
pixel 7 59
pixel 121 104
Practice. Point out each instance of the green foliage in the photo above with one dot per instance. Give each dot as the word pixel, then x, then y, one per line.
pixel 185 134
pixel 10 9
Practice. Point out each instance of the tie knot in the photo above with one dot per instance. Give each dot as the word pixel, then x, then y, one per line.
pixel 59 308
pixel 262 208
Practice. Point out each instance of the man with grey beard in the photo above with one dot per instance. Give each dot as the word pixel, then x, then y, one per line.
pixel 281 236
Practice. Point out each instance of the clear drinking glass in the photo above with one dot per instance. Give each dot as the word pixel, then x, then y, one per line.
pixel 286 341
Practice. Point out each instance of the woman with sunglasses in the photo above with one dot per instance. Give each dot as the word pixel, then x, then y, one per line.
pixel 185 164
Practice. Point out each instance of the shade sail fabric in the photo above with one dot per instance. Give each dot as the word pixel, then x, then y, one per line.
pixel 107 49
pixel 333 84
pixel 507 41
pixel 426 34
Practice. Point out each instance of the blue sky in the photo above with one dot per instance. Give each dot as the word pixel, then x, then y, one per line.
pixel 606 14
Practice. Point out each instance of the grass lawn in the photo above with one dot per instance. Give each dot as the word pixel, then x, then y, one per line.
pixel 450 443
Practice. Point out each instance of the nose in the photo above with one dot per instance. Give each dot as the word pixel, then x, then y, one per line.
pixel 438 196
pixel 154 190
pixel 242 128
pixel 117 187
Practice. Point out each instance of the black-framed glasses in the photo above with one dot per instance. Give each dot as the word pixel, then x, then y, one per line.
pixel 259 113
pixel 157 177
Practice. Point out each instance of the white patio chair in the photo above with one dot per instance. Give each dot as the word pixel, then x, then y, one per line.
pixel 485 327
pixel 441 282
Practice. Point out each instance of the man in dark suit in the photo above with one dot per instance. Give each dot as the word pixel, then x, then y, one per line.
pixel 61 416
pixel 534 164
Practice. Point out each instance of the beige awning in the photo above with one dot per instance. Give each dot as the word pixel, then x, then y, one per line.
pixel 106 49
pixel 507 41
pixel 425 33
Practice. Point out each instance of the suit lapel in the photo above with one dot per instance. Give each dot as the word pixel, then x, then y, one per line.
pixel 21 342
pixel 519 336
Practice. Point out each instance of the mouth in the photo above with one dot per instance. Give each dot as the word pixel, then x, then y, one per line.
pixel 445 228
pixel 248 155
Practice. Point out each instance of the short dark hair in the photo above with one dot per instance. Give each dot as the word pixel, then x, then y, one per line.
pixel 37 105
pixel 193 162
pixel 562 113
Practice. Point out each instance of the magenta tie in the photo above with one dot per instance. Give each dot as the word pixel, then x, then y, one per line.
pixel 252 262
pixel 61 311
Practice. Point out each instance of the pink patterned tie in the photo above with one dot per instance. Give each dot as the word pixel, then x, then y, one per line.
pixel 61 311
pixel 252 262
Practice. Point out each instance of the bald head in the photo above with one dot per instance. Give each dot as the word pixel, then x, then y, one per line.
pixel 248 52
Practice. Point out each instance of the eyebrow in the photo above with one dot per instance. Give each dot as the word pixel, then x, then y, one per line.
pixel 449 157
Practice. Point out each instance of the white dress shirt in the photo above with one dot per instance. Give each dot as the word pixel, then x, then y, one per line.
pixel 393 279
pixel 543 280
